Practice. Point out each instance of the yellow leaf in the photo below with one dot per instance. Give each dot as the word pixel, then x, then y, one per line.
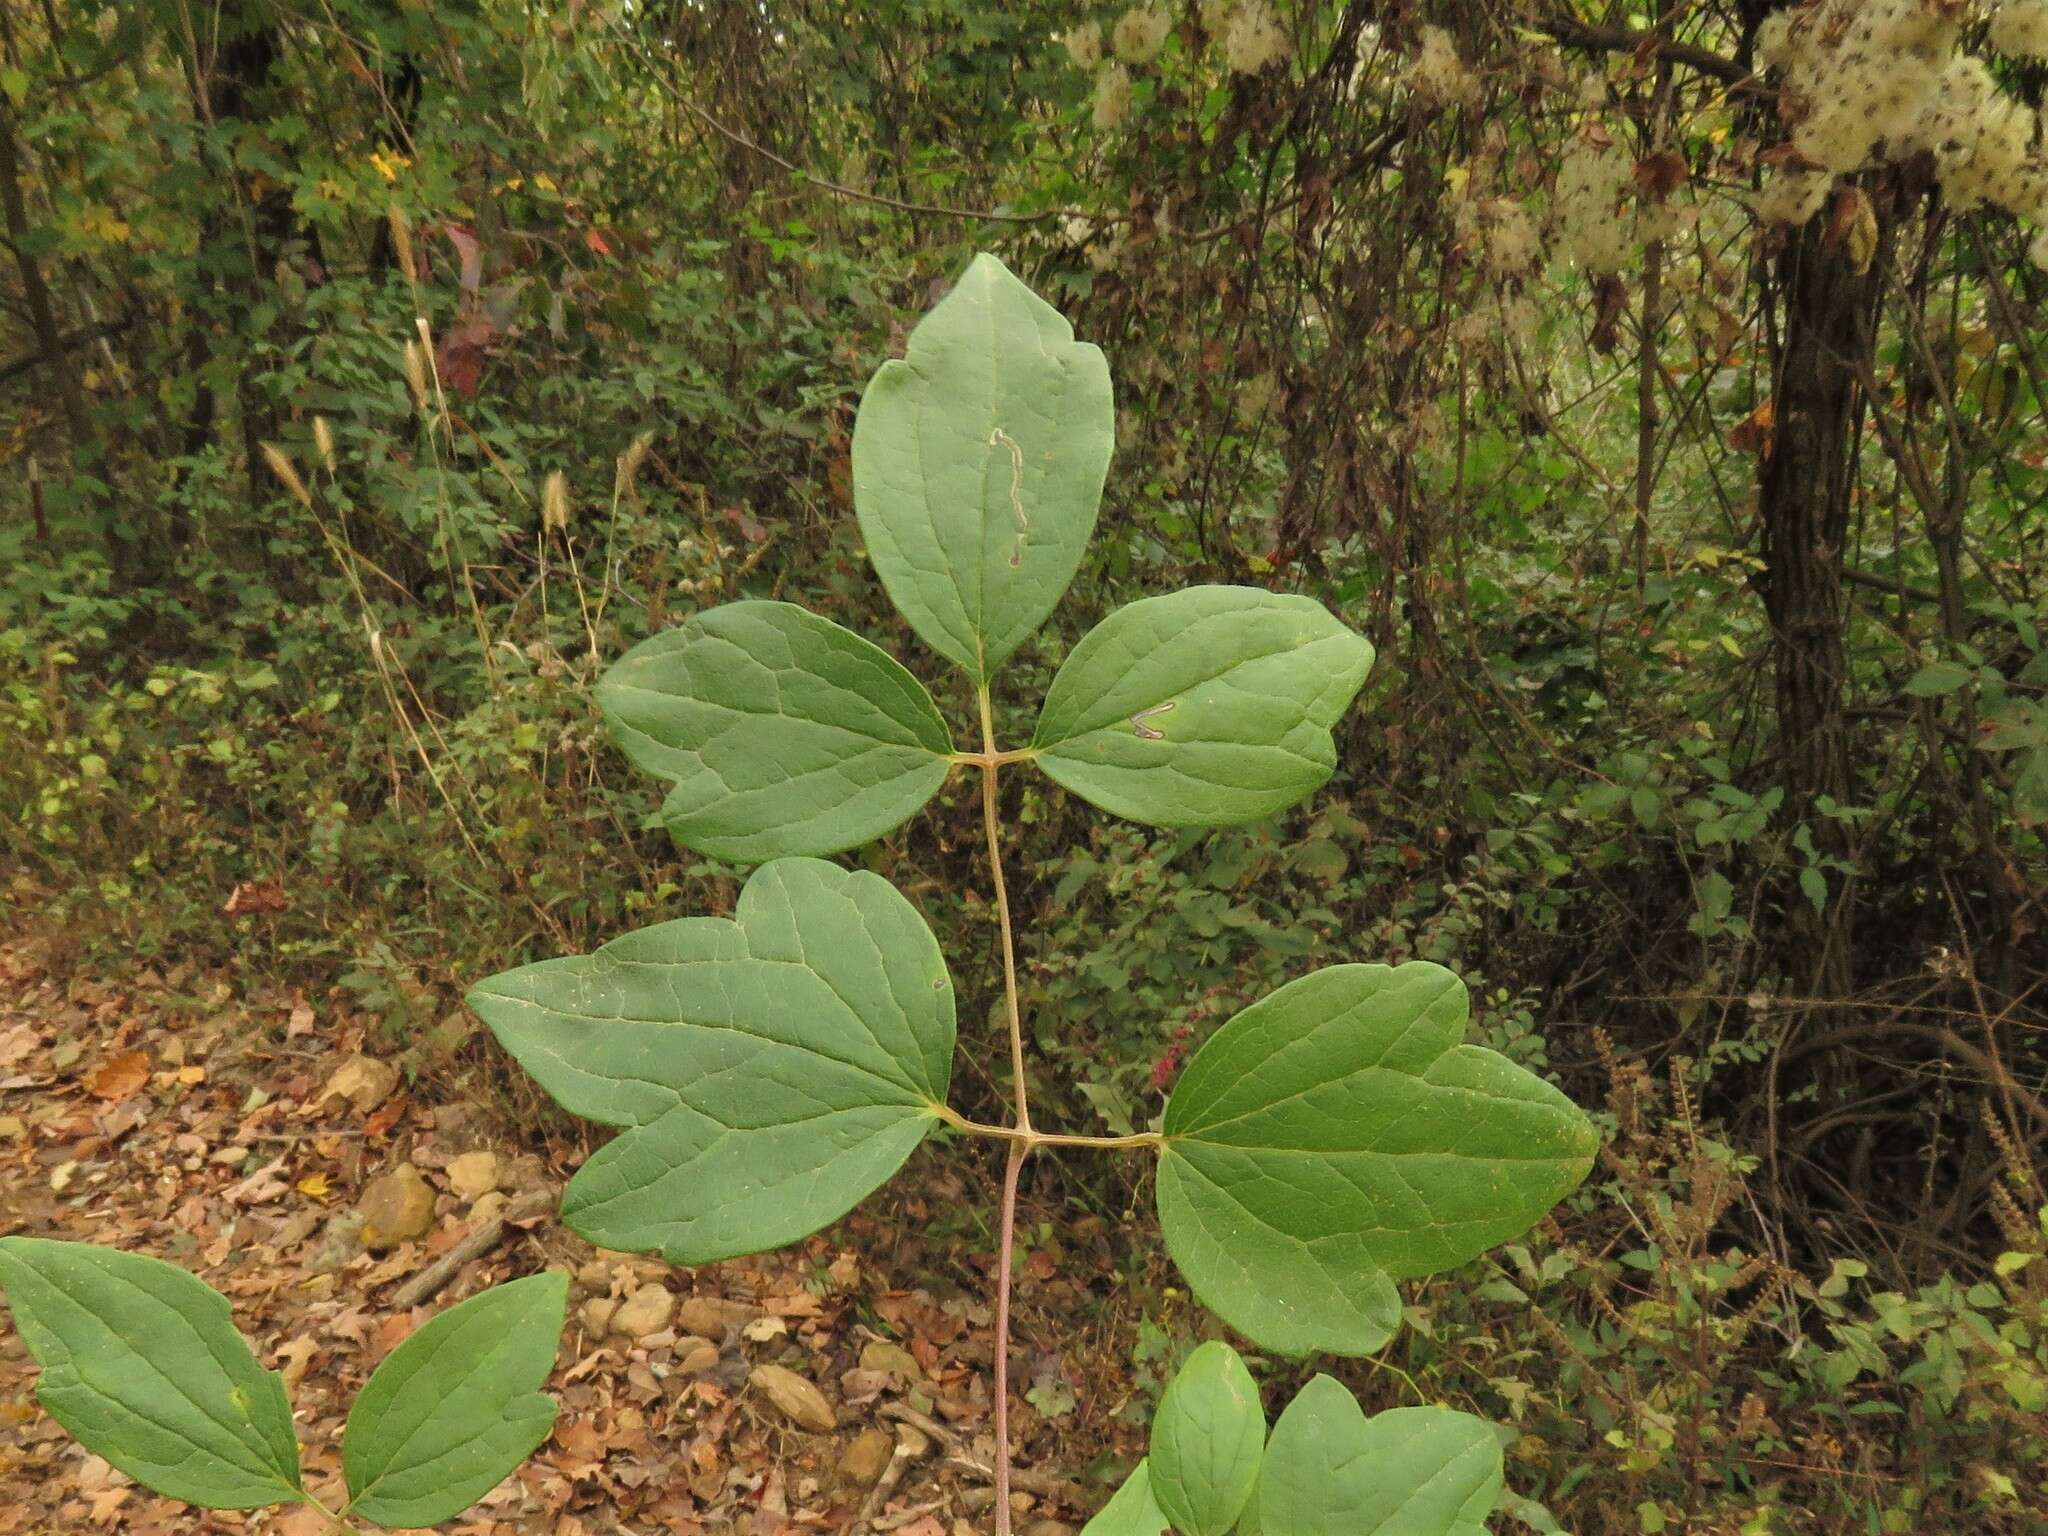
pixel 314 1186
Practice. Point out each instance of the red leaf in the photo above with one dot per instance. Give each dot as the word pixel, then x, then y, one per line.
pixel 459 355
pixel 469 253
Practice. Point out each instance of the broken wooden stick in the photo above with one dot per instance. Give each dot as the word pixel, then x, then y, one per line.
pixel 425 1285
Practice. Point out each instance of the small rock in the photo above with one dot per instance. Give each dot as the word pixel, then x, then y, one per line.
pixel 451 1118
pixel 396 1208
pixel 474 1174
pixel 863 1462
pixel 881 1355
pixel 597 1315
pixel 488 1207
pixel 712 1316
pixel 797 1396
pixel 364 1081
pixel 695 1356
pixel 644 1312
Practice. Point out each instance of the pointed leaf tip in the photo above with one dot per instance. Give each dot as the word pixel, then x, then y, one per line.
pixel 978 464
pixel 455 1409
pixel 1133 1511
pixel 142 1363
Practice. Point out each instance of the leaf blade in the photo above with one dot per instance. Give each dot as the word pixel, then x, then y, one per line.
pixel 978 462
pixel 1132 1511
pixel 454 1409
pixel 142 1363
pixel 1207 1439
pixel 1336 1136
pixel 770 1070
pixel 782 732
pixel 1210 706
pixel 1331 1471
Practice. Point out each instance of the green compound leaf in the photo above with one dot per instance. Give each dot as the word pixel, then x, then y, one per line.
pixel 782 732
pixel 142 1363
pixel 1336 1136
pixel 978 461
pixel 455 1409
pixel 1133 1512
pixel 770 1070
pixel 1331 1471
pixel 1203 708
pixel 1206 1442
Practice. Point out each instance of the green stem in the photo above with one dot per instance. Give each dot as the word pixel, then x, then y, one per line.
pixel 991 828
pixel 994 759
pixel 333 1517
pixel 1023 1137
pixel 1037 1138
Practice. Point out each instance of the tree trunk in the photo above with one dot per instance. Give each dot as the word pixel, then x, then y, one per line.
pixel 35 292
pixel 242 237
pixel 1828 313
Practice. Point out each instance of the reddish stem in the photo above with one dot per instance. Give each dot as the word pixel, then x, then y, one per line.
pixel 1006 1246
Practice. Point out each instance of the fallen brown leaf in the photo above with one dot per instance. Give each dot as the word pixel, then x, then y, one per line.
pixel 120 1077
pixel 255 896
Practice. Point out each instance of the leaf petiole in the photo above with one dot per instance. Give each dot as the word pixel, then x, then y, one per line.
pixel 334 1520
pixel 1033 1139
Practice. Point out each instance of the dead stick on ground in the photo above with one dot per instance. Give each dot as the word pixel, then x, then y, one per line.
pixel 911 1443
pixel 1042 1483
pixel 904 1517
pixel 425 1285
pixel 904 1414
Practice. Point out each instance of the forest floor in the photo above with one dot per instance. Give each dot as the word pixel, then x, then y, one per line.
pixel 245 1133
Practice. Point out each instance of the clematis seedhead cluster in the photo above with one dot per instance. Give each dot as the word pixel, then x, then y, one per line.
pixel 1439 77
pixel 1084 44
pixel 1247 33
pixel 1587 225
pixel 1875 82
pixel 1252 38
pixel 1139 34
pixel 1112 96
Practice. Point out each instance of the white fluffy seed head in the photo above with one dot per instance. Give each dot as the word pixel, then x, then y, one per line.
pixel 1254 39
pixel 2019 30
pixel 1792 197
pixel 1438 76
pixel 1869 82
pixel 1139 34
pixel 1588 228
pixel 1084 44
pixel 1112 97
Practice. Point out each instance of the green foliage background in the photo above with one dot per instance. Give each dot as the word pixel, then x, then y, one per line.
pixel 356 675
